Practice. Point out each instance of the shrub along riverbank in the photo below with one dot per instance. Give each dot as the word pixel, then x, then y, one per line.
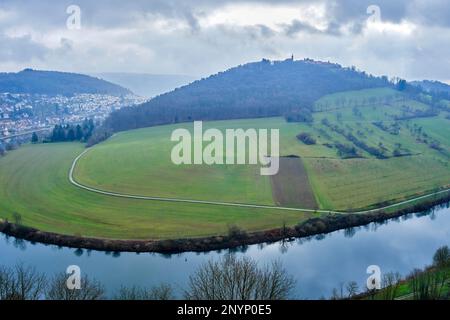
pixel 236 237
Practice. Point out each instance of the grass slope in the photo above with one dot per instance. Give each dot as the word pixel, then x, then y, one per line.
pixel 138 162
pixel 362 183
pixel 34 179
pixel 34 182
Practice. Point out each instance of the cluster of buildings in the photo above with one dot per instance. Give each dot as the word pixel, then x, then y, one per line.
pixel 21 113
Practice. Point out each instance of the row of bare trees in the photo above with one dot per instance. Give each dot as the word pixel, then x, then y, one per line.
pixel 239 279
pixel 229 278
pixel 23 282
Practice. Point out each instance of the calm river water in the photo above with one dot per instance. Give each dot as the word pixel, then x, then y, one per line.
pixel 319 263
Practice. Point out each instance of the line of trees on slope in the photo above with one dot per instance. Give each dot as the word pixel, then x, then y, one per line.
pixel 300 114
pixel 306 138
pixel 423 137
pixel 377 152
pixel 407 115
pixel 69 132
pixel 260 89
pixel 393 129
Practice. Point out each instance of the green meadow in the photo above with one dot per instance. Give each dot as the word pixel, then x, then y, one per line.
pixel 415 160
pixel 34 183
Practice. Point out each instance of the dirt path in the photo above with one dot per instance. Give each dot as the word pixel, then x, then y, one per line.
pixel 291 186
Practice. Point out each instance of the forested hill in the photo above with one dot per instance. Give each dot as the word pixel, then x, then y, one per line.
pixel 53 83
pixel 259 89
pixel 432 86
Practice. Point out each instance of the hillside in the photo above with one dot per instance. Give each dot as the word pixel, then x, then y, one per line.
pixel 58 206
pixel 432 86
pixel 147 85
pixel 259 89
pixel 362 149
pixel 56 83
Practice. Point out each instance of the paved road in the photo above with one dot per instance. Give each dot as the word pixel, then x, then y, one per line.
pixel 25 133
pixel 230 204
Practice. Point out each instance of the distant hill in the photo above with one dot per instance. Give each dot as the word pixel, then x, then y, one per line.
pixel 53 83
pixel 432 86
pixel 259 89
pixel 147 85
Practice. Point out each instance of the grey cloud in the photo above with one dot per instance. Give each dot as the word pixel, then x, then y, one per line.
pixel 20 49
pixel 117 13
pixel 266 31
pixel 202 51
pixel 297 26
pixel 346 11
pixel 423 12
pixel 430 12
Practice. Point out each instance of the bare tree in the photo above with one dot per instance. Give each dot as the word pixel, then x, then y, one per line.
pixel 236 233
pixel 352 288
pixel 390 284
pixel 239 279
pixel 441 257
pixel 21 283
pixel 90 289
pixel 6 284
pixel 338 293
pixel 17 218
pixel 161 292
pixel 428 285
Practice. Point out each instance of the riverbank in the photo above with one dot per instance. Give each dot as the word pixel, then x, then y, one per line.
pixel 429 283
pixel 238 238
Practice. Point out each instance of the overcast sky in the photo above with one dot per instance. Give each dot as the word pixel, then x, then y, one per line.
pixel 409 38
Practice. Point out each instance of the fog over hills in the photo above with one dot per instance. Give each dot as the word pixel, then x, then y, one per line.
pixel 432 86
pixel 147 85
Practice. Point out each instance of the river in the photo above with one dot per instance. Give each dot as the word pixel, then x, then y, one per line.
pixel 318 263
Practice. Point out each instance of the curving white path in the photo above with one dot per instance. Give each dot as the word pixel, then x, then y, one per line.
pixel 230 204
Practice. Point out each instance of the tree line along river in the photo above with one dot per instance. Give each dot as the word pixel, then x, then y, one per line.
pixel 319 263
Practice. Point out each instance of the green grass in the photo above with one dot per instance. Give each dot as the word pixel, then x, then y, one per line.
pixel 361 183
pixel 357 97
pixel 364 183
pixel 405 288
pixel 34 179
pixel 34 182
pixel 138 162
